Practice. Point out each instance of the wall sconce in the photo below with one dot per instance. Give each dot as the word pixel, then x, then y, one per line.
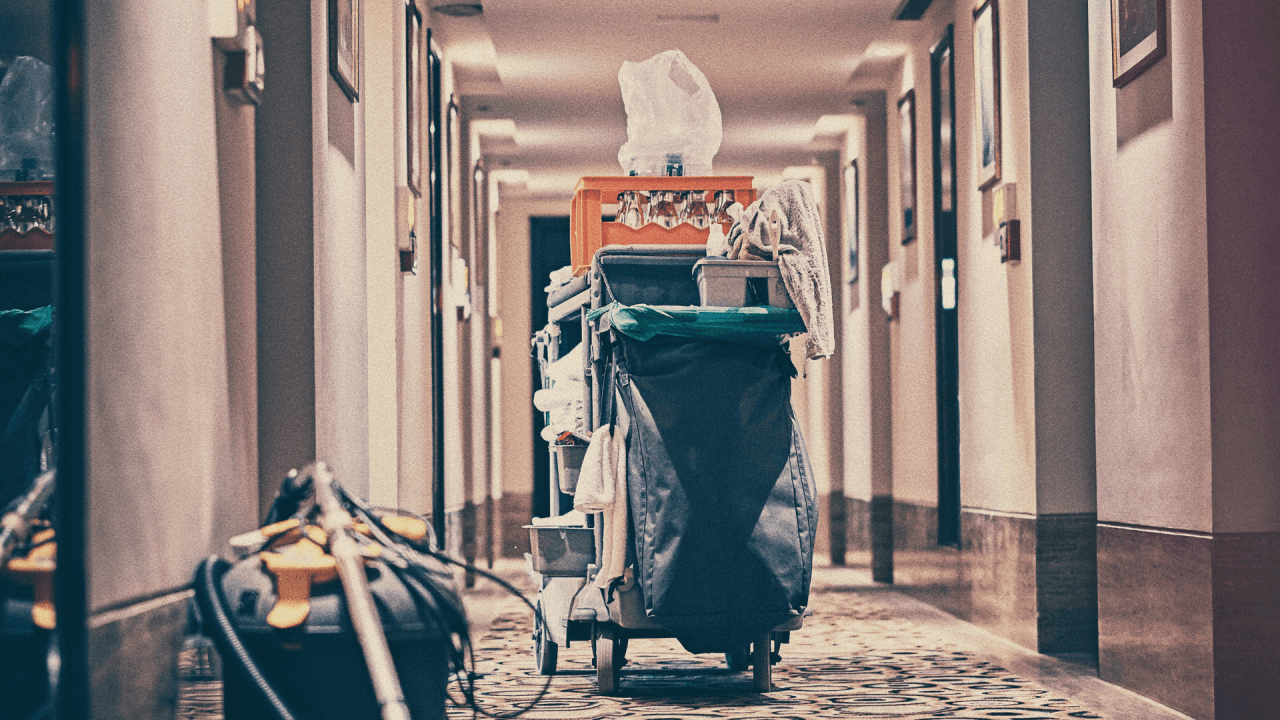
pixel 889 290
pixel 1010 238
pixel 232 25
pixel 407 229
pixel 1004 216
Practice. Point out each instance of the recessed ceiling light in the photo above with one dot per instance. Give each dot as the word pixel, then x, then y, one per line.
pixel 459 9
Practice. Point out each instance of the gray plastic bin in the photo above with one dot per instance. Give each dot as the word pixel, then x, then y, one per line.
pixel 561 551
pixel 740 283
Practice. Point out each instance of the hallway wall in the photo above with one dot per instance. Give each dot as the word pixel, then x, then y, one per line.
pixel 1024 567
pixel 165 485
pixel 516 416
pixel 1189 553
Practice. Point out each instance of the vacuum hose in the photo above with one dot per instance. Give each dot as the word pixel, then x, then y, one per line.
pixel 207 588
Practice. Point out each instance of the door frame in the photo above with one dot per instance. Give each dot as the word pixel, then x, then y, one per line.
pixel 946 294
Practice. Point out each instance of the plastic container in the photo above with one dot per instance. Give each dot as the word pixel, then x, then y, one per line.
pixel 740 283
pixel 318 668
pixel 568 465
pixel 561 551
pixel 24 668
pixel 589 231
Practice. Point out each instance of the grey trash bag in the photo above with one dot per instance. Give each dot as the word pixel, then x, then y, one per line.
pixel 26 121
pixel 673 117
pixel 723 501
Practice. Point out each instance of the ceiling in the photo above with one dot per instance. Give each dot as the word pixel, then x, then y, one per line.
pixel 551 67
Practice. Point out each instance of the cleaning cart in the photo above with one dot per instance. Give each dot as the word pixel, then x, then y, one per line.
pixel 718 503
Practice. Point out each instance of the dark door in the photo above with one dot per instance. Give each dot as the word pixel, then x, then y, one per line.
pixel 945 274
pixel 548 251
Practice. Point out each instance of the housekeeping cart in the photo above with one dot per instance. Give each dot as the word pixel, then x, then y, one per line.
pixel 719 505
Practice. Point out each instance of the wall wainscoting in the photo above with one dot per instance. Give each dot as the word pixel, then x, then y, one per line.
pixel 1029 578
pixel 515 510
pixel 133 659
pixel 1189 619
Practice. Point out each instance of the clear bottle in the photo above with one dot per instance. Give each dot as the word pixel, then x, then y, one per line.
pixel 629 210
pixel 663 211
pixel 695 210
pixel 724 198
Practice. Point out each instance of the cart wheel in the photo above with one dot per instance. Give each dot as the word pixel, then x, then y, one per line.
pixel 762 669
pixel 545 649
pixel 739 659
pixel 609 654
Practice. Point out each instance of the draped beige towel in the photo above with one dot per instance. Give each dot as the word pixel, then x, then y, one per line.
pixel 802 256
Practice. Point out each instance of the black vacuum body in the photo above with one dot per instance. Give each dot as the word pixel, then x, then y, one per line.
pixel 317 668
pixel 24 665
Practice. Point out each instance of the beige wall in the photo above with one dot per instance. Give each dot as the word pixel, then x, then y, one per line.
pixel 383 24
pixel 516 417
pixel 159 428
pixel 868 461
pixel 1242 173
pixel 1003 383
pixel 997 394
pixel 341 317
pixel 1151 282
pixel 237 188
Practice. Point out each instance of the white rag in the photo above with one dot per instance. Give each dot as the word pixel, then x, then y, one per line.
pixel 802 256
pixel 602 488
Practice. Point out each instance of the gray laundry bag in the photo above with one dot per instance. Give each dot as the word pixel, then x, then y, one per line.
pixel 722 495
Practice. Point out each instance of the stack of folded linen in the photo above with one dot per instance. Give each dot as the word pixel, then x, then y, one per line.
pixel 563 400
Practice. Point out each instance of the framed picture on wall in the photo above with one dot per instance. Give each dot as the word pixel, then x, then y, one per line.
pixel 344 45
pixel 851 203
pixel 1137 37
pixel 986 73
pixel 413 94
pixel 907 155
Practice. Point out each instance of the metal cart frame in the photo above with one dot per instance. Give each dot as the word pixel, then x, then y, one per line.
pixel 571 608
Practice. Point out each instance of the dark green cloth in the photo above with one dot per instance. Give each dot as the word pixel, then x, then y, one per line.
pixel 19 327
pixel 24 355
pixel 760 325
pixel 24 350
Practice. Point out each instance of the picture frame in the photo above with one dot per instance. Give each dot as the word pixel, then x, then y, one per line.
pixel 854 210
pixel 1138 37
pixel 986 61
pixel 413 95
pixel 907 163
pixel 344 46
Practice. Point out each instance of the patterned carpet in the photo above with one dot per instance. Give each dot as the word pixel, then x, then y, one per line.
pixel 853 659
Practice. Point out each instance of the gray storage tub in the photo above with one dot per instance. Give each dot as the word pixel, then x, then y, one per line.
pixel 561 551
pixel 740 283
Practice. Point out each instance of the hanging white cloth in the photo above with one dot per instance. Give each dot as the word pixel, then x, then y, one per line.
pixel 602 488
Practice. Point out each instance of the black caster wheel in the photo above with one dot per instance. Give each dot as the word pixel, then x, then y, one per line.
pixel 545 650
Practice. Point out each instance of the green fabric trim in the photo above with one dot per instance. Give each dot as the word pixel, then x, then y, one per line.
pixel 19 327
pixel 760 325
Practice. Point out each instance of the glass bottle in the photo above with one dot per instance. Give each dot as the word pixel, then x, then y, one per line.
pixel 695 210
pixel 724 198
pixel 629 210
pixel 663 212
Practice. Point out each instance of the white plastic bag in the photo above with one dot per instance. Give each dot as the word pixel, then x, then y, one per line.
pixel 26 121
pixel 673 118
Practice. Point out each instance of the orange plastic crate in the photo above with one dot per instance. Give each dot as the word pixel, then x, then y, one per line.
pixel 588 232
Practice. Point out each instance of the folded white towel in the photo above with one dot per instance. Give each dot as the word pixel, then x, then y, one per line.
pixel 567 367
pixel 563 393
